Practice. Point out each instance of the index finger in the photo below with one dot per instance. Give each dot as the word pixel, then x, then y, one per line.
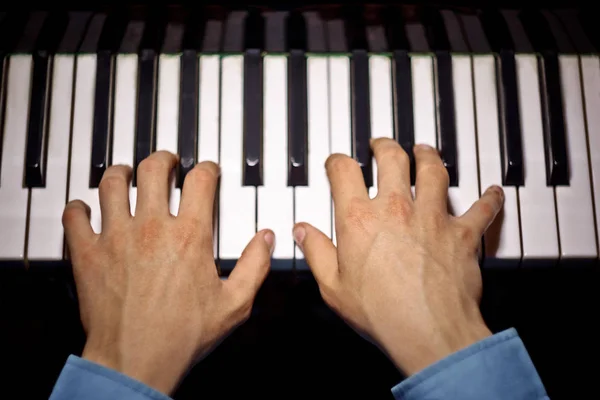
pixel 346 180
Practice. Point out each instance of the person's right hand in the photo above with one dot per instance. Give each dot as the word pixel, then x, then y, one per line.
pixel 405 273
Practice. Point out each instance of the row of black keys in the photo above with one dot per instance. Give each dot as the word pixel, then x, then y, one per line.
pixel 56 31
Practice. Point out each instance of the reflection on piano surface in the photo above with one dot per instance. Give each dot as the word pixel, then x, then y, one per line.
pixel 508 97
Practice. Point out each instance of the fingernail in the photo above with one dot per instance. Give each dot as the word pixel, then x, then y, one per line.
pixel 299 235
pixel 270 240
pixel 423 147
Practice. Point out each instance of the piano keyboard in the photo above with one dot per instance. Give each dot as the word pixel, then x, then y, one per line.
pixel 508 97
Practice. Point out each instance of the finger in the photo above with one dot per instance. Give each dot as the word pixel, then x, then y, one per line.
pixel 253 266
pixel 153 178
pixel 346 180
pixel 114 194
pixel 483 212
pixel 198 194
pixel 431 185
pixel 76 222
pixel 393 167
pixel 319 252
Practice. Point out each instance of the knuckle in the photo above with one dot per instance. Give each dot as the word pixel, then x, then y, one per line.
pixel 487 210
pixel 436 172
pixel 466 234
pixel 398 206
pixel 359 214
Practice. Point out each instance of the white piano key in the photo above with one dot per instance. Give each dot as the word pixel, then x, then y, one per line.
pixel 208 121
pixel 125 98
pixel 503 238
pixel 574 206
pixel 313 202
pixel 81 141
pixel 536 199
pixel 208 124
pixel 382 119
pixel 275 198
pixel 424 100
pixel 237 203
pixel 462 197
pixel 46 236
pixel 590 68
pixel 13 196
pixel 167 118
pixel 339 95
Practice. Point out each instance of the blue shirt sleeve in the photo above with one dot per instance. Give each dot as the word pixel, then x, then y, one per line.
pixel 83 379
pixel 496 368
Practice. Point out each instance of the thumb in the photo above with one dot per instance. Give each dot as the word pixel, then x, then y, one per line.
pixel 319 251
pixel 253 265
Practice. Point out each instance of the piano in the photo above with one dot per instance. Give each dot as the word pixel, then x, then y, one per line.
pixel 509 96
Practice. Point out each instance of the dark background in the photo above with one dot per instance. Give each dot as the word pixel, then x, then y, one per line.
pixel 293 346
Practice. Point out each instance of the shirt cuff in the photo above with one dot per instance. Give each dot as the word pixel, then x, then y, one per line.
pixel 83 379
pixel 497 367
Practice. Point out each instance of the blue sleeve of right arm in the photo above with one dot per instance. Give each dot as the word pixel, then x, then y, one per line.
pixel 496 368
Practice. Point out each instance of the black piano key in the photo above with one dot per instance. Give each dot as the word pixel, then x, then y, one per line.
pixel 511 148
pixel 36 129
pixel 297 120
pixel 151 42
pixel 253 120
pixel 297 102
pixel 46 45
pixel 146 107
pixel 394 29
pixel 103 37
pixel 361 114
pixel 74 32
pixel 403 106
pixel 446 114
pixel 253 99
pixel 437 37
pixel 540 35
pixel 360 92
pixel 511 143
pixel 102 117
pixel 188 114
pixel 557 171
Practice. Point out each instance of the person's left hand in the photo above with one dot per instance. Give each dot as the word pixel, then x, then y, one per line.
pixel 151 300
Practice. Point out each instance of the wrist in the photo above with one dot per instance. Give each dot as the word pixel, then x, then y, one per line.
pixel 152 369
pixel 424 350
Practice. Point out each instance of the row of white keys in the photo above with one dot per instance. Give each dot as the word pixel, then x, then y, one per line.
pixel 208 124
pixel 536 199
pixel 167 117
pixel 13 196
pixel 382 120
pixel 46 239
pixel 313 202
pixel 590 68
pixel 81 141
pixel 124 116
pixel 237 203
pixel 502 241
pixel 275 199
pixel 574 205
pixel 340 114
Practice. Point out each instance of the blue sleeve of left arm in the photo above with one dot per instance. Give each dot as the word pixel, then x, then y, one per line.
pixel 83 379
